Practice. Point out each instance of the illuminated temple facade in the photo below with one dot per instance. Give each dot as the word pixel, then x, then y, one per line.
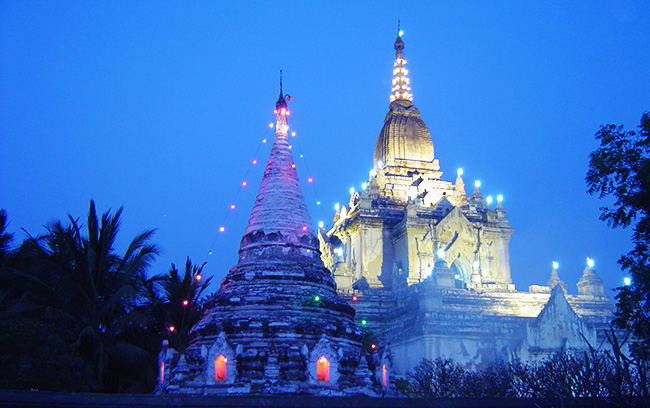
pixel 426 266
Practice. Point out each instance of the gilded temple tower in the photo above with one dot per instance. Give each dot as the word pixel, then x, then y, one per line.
pixel 397 230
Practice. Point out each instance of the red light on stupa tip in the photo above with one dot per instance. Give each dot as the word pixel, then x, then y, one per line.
pixel 310 179
pixel 172 328
pixel 232 206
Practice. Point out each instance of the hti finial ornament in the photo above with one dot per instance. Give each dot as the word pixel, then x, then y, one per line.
pixel 281 104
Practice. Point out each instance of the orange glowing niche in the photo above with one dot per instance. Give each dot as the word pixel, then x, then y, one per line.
pixel 220 368
pixel 323 369
pixel 384 376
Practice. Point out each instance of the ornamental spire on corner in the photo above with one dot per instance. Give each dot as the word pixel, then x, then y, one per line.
pixel 401 89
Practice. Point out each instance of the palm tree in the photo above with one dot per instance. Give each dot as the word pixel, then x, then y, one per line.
pixel 98 290
pixel 183 302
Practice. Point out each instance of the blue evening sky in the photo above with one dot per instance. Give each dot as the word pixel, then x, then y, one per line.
pixel 161 107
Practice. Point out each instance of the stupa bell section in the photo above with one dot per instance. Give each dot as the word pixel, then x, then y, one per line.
pixel 276 325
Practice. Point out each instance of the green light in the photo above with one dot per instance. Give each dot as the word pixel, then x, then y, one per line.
pixel 363 322
pixel 317 202
pixel 316 298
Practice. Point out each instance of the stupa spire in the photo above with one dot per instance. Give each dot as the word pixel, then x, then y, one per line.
pixel 280 207
pixel 401 89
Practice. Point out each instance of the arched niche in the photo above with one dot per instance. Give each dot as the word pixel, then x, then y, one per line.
pixel 323 363
pixel 322 369
pixel 221 362
pixel 220 368
pixel 165 362
pixel 461 273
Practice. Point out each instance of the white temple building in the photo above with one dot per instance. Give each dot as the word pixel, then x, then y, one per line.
pixel 427 266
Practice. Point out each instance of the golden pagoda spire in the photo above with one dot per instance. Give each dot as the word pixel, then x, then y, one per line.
pixel 401 89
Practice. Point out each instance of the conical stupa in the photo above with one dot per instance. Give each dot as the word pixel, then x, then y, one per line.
pixel 276 326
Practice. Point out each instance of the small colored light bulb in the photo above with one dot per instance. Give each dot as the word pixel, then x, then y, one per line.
pixel 185 303
pixel 304 228
pixel 232 206
pixel 499 198
pixel 254 161
pixel 197 277
pixel 270 125
pixel 321 224
pixel 363 322
pixel 222 229
pixel 243 183
pixel 317 298
pixel 172 328
pixel 354 298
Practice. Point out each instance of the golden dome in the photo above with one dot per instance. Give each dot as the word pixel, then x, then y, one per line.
pixel 404 135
